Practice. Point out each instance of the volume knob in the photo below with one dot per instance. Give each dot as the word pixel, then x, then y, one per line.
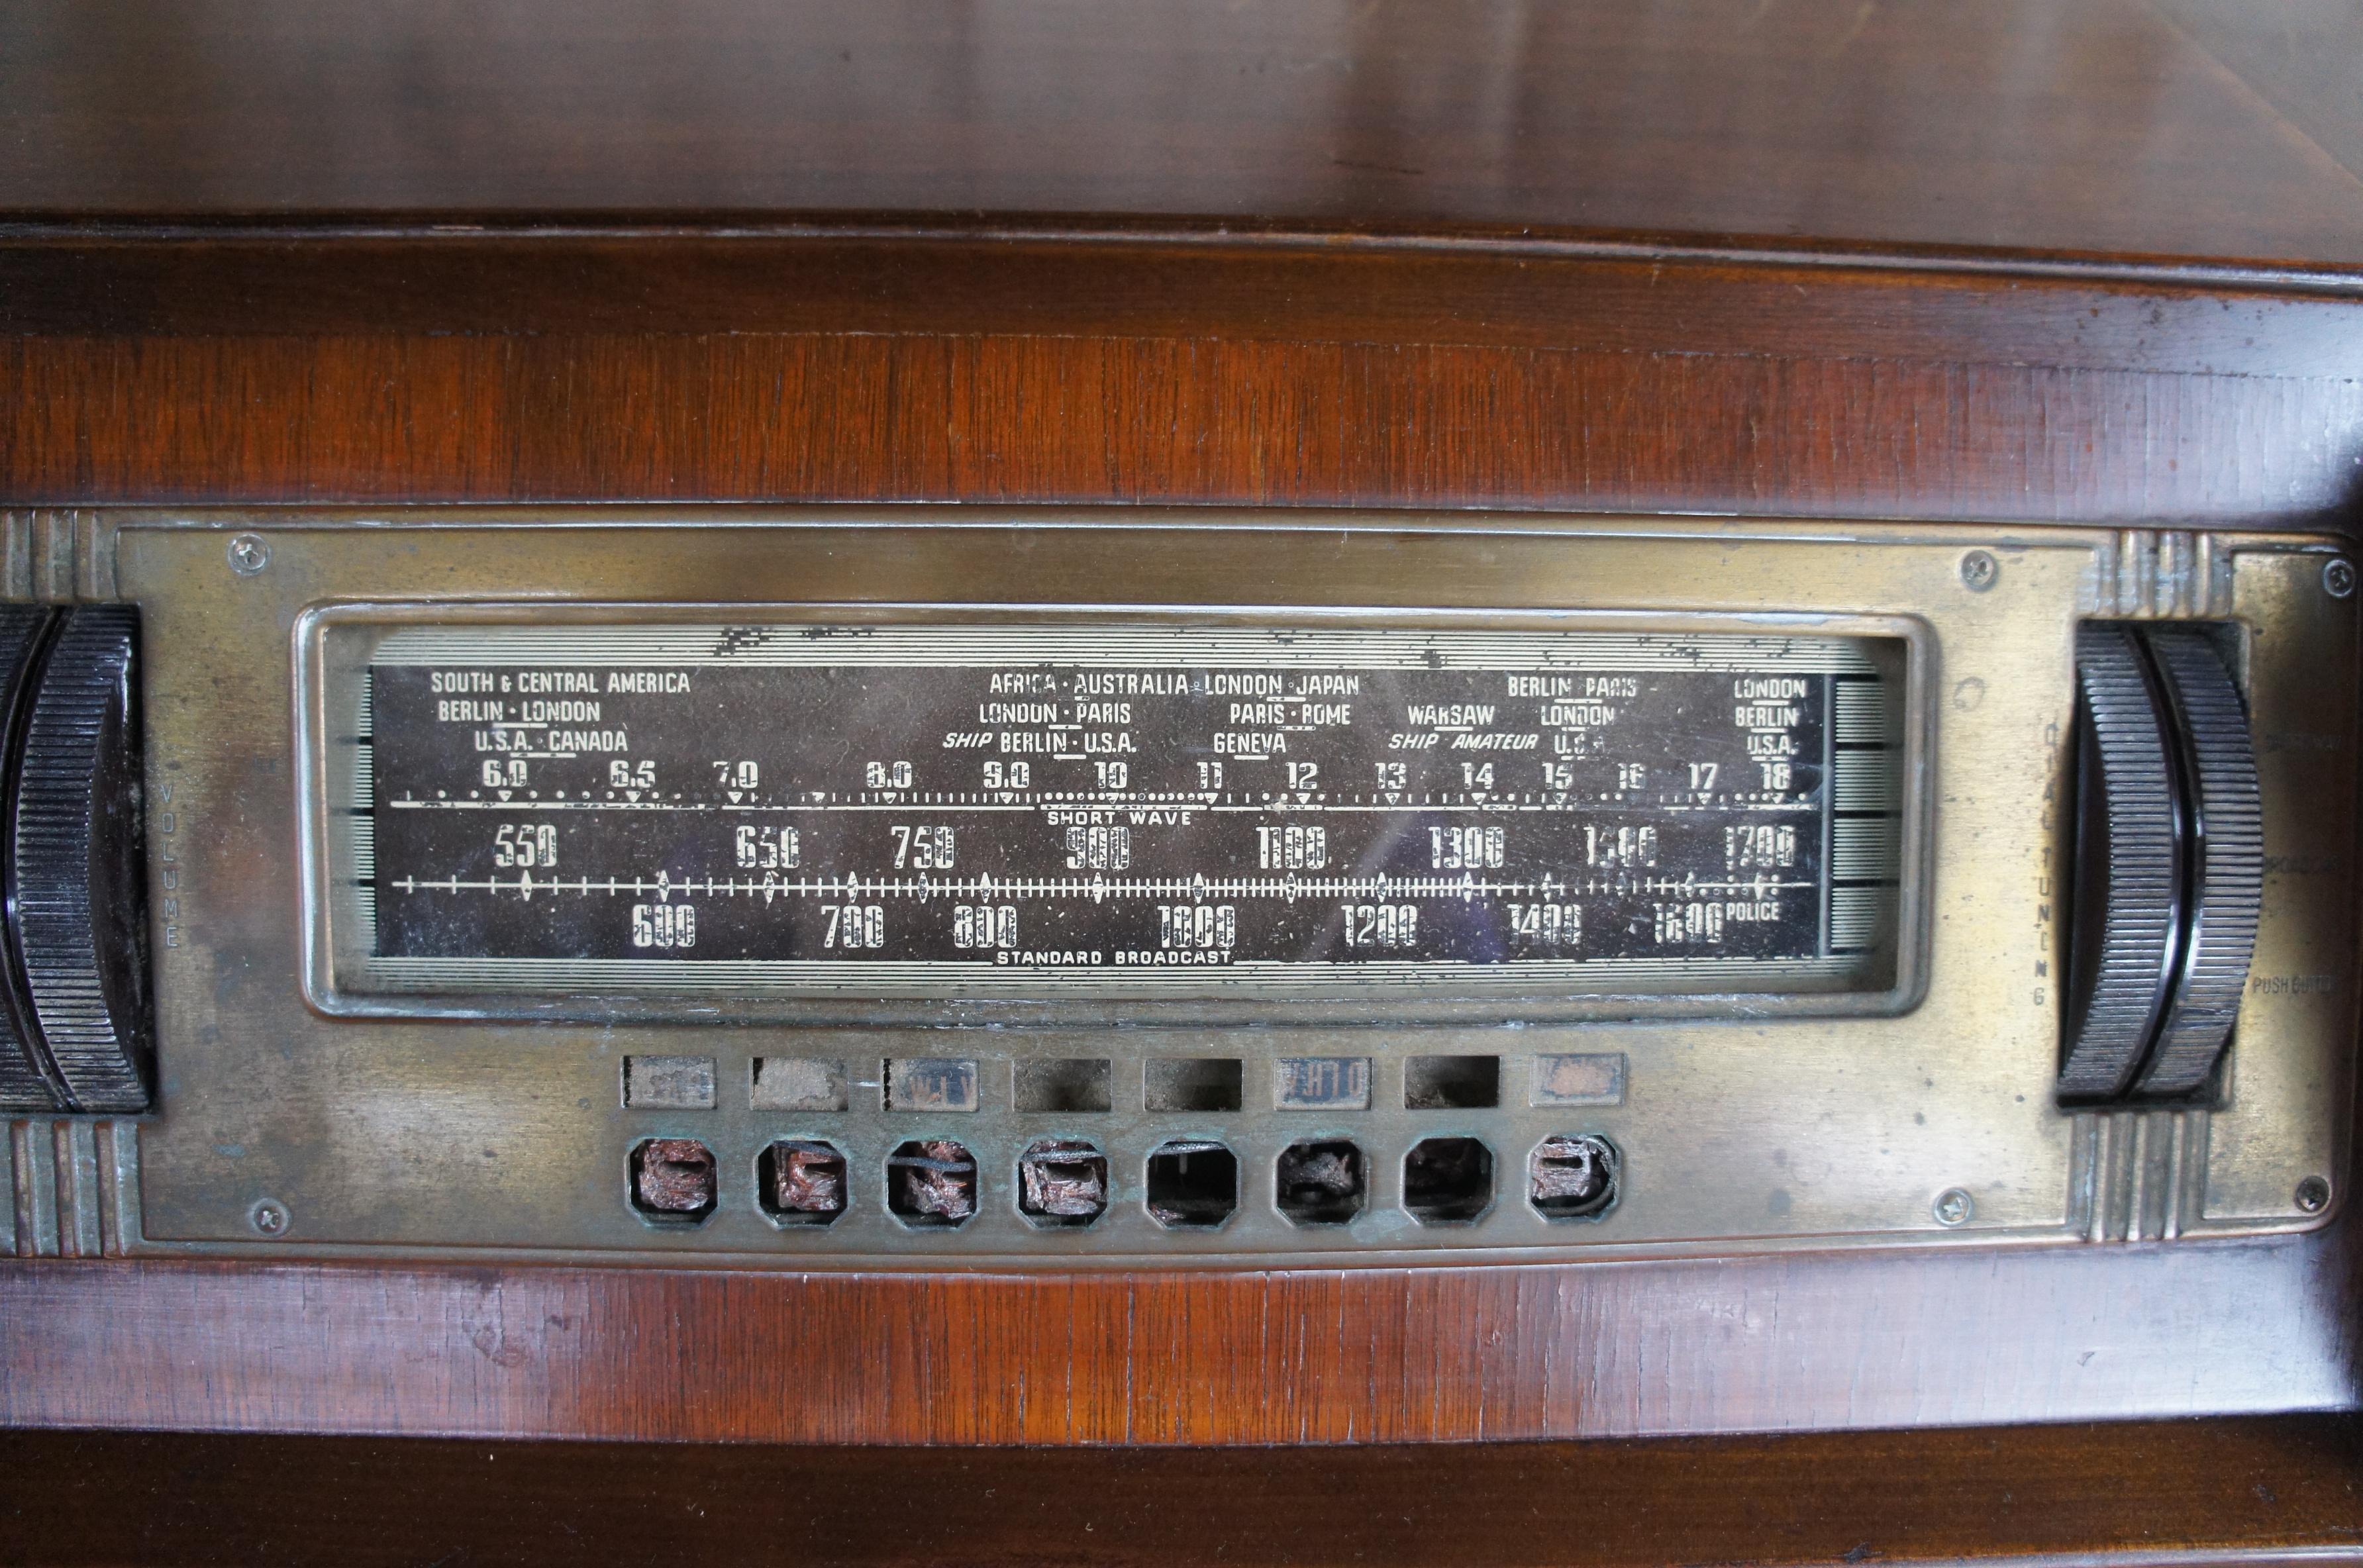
pixel 77 873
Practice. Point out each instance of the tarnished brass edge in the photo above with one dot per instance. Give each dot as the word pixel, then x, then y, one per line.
pixel 32 1150
pixel 58 555
pixel 118 1179
pixel 2168 574
pixel 2070 1233
pixel 1017 1264
pixel 2141 1176
pixel 71 1189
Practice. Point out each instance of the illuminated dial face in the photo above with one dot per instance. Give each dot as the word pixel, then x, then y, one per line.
pixel 958 808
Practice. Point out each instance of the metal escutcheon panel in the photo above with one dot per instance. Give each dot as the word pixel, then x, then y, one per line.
pixel 385 1026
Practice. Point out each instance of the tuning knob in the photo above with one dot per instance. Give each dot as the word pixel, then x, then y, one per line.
pixel 2168 864
pixel 76 875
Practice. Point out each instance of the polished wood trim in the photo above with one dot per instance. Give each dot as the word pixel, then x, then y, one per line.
pixel 2277 1491
pixel 1880 1339
pixel 2206 127
pixel 1165 284
pixel 602 368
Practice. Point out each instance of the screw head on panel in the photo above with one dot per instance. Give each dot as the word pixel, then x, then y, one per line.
pixel 267 1217
pixel 1980 570
pixel 2312 1194
pixel 1953 1207
pixel 249 555
pixel 2338 578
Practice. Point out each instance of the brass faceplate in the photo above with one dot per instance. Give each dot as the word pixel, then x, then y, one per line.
pixel 285 1128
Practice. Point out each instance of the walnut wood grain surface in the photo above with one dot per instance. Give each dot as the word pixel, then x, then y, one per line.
pixel 2185 1492
pixel 2192 129
pixel 595 368
pixel 1445 1354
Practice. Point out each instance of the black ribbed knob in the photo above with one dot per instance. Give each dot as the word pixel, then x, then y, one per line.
pixel 77 873
pixel 2128 866
pixel 2225 854
pixel 29 1080
pixel 2169 863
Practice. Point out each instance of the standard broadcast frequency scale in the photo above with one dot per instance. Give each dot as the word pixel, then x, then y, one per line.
pixel 1136 810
